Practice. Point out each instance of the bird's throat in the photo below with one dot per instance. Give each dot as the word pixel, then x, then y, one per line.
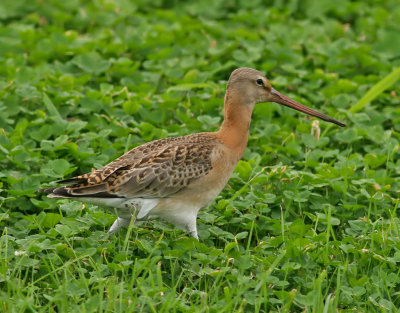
pixel 234 131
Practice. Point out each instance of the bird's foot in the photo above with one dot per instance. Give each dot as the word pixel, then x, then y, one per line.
pixel 193 234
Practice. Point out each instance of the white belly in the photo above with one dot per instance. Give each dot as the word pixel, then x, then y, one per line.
pixel 126 208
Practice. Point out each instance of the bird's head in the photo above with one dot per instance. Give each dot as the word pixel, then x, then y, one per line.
pixel 252 87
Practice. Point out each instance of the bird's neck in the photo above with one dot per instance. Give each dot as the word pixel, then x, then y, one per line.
pixel 234 131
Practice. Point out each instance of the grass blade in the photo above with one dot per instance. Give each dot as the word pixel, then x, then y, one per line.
pixel 376 90
pixel 51 107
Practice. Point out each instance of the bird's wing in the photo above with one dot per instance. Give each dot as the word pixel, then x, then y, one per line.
pixel 154 170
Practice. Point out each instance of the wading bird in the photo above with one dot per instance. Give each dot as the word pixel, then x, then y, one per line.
pixel 173 178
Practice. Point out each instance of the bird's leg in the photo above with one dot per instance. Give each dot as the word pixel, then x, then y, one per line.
pixel 192 230
pixel 118 223
pixel 123 219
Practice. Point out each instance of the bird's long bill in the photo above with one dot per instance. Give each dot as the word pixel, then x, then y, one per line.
pixel 281 99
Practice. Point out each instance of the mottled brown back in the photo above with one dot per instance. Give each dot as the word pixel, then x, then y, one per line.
pixel 156 169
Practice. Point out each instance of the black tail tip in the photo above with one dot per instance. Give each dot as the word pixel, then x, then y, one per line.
pixel 46 190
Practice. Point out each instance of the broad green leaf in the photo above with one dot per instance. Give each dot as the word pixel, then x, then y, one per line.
pixel 51 219
pixel 55 168
pixel 131 107
pixel 92 63
pixel 348 135
pixel 63 230
pixel 28 262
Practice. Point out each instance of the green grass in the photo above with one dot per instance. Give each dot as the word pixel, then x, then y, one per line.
pixel 304 225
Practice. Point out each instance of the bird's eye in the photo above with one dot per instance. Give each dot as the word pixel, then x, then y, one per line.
pixel 260 82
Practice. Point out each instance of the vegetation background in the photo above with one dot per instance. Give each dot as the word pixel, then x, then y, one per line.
pixel 304 225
